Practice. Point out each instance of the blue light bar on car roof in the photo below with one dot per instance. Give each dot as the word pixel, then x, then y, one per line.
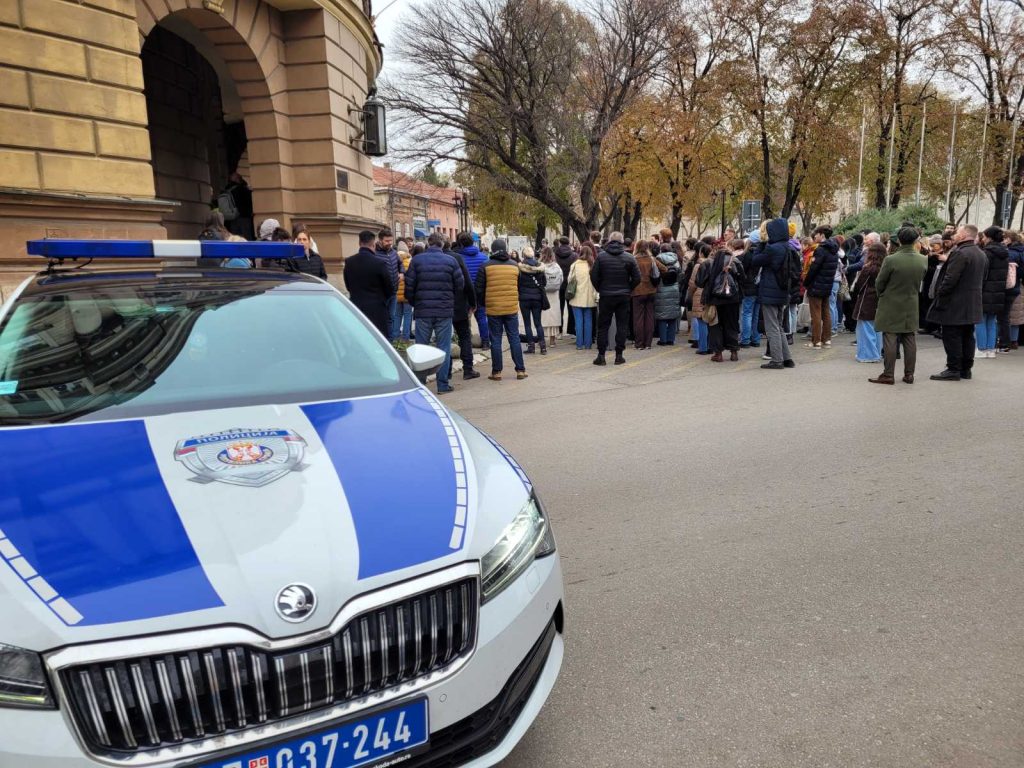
pixel 163 249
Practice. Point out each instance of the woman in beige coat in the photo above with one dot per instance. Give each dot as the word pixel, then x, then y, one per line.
pixel 582 297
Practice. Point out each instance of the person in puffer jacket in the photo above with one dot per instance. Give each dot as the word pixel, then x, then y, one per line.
pixel 474 258
pixel 531 300
pixel 431 285
pixel 993 292
pixel 666 299
pixel 497 291
pixel 821 273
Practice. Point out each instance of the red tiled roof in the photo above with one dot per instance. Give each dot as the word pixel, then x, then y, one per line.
pixel 389 177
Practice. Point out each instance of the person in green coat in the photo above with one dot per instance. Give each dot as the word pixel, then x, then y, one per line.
pixel 898 285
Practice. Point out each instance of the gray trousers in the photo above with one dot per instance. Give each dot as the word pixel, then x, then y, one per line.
pixel 890 346
pixel 774 330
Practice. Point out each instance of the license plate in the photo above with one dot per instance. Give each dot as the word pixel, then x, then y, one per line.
pixel 359 742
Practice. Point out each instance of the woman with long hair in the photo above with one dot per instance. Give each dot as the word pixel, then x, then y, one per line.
pixel 720 278
pixel 312 264
pixel 643 296
pixel 582 297
pixel 869 341
pixel 551 315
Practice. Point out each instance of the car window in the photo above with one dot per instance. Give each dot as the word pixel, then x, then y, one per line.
pixel 128 351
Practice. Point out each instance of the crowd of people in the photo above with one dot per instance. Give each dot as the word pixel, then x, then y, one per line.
pixel 962 286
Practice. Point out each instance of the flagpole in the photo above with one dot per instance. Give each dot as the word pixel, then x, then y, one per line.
pixel 1009 177
pixel 949 175
pixel 892 146
pixel 860 165
pixel 981 167
pixel 920 153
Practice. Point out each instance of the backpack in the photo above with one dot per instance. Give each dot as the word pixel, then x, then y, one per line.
pixel 725 286
pixel 1011 276
pixel 792 267
pixel 226 205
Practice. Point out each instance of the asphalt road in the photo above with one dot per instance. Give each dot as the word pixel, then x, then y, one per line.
pixel 776 568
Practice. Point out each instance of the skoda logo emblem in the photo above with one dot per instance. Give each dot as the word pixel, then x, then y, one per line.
pixel 296 603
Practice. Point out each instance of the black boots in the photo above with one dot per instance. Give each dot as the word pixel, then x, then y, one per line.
pixel 599 360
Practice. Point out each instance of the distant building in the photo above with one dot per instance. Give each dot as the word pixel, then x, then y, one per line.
pixel 413 208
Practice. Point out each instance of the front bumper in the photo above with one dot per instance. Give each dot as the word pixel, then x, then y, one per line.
pixel 476 716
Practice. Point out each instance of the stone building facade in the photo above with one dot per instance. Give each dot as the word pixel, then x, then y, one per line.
pixel 123 118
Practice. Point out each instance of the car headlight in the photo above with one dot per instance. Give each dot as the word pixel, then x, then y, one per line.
pixel 22 679
pixel 526 538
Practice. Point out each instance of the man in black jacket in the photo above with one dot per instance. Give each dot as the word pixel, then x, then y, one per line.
pixel 369 283
pixel 614 275
pixel 957 306
pixel 465 305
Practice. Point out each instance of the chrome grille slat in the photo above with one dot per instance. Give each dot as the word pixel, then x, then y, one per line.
pixel 236 686
pixel 189 683
pixel 259 681
pixel 190 695
pixel 142 696
pixel 167 696
pixel 214 684
pixel 117 698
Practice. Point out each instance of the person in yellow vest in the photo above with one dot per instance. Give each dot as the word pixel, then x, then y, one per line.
pixel 403 309
pixel 497 291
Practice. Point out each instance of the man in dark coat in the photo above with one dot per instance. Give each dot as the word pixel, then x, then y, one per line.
pixel 465 305
pixel 773 261
pixel 433 282
pixel 898 285
pixel 369 283
pixel 565 256
pixel 957 304
pixel 614 275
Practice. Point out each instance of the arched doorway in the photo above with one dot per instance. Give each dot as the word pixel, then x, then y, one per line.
pixel 204 86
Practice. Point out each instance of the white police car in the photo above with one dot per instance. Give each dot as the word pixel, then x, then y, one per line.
pixel 236 532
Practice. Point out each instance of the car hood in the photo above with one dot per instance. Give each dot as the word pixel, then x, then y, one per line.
pixel 127 528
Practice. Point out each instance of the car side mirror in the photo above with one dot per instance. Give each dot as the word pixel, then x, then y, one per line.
pixel 424 360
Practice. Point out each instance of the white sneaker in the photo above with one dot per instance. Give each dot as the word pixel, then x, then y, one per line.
pixel 766 357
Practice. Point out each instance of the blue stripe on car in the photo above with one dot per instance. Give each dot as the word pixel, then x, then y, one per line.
pixel 511 462
pixel 403 472
pixel 86 508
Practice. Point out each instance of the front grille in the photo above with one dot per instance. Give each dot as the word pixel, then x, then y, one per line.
pixel 151 702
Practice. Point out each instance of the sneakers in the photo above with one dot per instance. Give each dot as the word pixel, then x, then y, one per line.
pixel 827 345
pixel 813 346
pixel 869 361
pixel 766 357
pixel 520 375
pixel 495 377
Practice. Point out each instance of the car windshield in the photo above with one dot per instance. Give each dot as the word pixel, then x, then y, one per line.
pixel 123 349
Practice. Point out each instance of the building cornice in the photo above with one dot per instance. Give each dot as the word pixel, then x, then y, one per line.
pixel 349 13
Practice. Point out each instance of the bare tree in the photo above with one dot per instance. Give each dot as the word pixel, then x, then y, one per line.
pixel 525 91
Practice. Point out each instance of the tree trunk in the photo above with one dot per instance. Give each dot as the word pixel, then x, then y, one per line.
pixel 677 219
pixel 632 222
pixel 539 238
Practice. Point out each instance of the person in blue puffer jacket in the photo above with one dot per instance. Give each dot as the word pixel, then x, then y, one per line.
pixel 820 275
pixel 1015 315
pixel 474 258
pixel 433 280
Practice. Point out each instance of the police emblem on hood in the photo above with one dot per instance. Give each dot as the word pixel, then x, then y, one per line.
pixel 252 457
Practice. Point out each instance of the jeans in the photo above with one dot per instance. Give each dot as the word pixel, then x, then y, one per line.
pixel 794 315
pixel 481 323
pixel 702 334
pixel 607 308
pixel 667 331
pixel 1014 333
pixel 869 341
pixel 392 317
pixel 401 321
pixel 774 330
pixel 532 331
pixel 821 320
pixel 440 330
pixel 643 320
pixel 834 307
pixel 958 341
pixel 748 321
pixel 986 333
pixel 496 325
pixel 892 342
pixel 583 317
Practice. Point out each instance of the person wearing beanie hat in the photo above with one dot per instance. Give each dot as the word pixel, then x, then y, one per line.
pixel 896 317
pixel 267 228
pixel 995 310
pixel 497 291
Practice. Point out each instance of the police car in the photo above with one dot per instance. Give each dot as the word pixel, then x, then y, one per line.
pixel 237 532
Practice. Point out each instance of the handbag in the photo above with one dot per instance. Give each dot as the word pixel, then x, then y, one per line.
pixel 1011 276
pixel 710 314
pixel 545 303
pixel 570 289
pixel 844 289
pixel 804 316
